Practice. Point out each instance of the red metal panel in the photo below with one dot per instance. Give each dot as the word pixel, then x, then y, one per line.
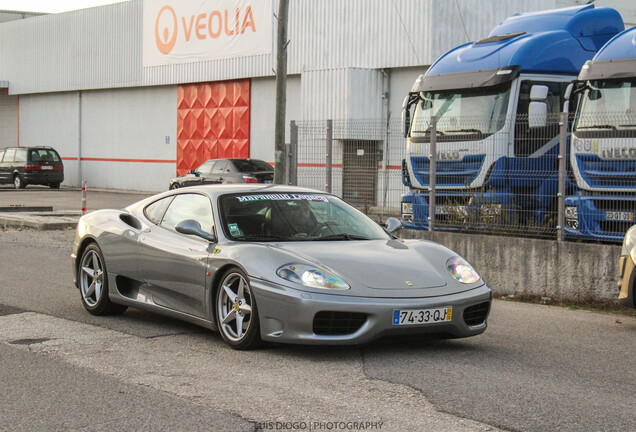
pixel 213 121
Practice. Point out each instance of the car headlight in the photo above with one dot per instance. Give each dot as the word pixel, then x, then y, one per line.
pixel 311 276
pixel 571 212
pixel 629 244
pixel 462 271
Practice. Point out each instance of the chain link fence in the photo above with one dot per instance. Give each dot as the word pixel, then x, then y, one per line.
pixel 501 175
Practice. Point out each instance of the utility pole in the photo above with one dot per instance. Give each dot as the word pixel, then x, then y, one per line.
pixel 281 94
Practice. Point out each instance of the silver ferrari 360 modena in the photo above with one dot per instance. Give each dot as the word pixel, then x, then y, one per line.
pixel 274 263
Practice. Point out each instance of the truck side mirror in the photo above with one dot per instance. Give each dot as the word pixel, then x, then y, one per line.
pixel 538 110
pixel 406 116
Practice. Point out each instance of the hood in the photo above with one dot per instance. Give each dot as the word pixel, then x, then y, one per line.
pixel 374 268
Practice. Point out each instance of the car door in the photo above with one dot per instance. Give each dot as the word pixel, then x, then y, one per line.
pixel 174 265
pixel 3 175
pixel 220 173
pixel 200 174
pixel 6 165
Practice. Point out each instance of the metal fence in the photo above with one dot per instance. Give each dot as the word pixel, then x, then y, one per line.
pixel 498 175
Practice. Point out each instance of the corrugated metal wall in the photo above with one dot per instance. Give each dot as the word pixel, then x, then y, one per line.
pixel 8 119
pixel 341 94
pixel 101 47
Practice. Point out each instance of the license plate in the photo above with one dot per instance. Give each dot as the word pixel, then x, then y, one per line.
pixel 46 167
pixel 422 316
pixel 619 216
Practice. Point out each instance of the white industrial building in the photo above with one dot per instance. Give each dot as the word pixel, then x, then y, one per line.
pixel 133 92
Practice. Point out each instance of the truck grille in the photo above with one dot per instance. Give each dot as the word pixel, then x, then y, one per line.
pixel 615 227
pixel 598 172
pixel 615 205
pixel 476 315
pixel 330 323
pixel 457 173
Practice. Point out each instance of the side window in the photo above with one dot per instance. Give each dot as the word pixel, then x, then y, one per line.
pixel 1 155
pixel 221 167
pixel 189 206
pixel 529 140
pixel 154 212
pixel 20 155
pixel 8 155
pixel 206 168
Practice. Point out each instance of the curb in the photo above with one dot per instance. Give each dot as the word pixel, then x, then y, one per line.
pixel 43 221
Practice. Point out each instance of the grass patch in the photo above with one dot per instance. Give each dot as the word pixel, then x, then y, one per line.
pixel 587 303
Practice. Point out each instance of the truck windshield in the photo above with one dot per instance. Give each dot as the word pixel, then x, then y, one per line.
pixel 462 115
pixel 607 105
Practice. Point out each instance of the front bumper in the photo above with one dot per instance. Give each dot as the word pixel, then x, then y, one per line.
pixel 592 221
pixel 454 210
pixel 287 315
pixel 626 284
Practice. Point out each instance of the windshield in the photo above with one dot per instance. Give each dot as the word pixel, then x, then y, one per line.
pixel 608 106
pixel 294 217
pixel 462 115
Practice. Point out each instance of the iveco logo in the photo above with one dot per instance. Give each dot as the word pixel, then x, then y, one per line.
pixel 447 155
pixel 166 40
pixel 619 153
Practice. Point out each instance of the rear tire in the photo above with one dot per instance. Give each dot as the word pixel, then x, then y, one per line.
pixel 18 182
pixel 174 186
pixel 93 283
pixel 54 185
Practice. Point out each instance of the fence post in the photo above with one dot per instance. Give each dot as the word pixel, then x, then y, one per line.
pixel 431 174
pixel 563 145
pixel 287 163
pixel 293 154
pixel 328 158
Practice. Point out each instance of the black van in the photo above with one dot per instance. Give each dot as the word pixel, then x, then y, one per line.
pixel 31 165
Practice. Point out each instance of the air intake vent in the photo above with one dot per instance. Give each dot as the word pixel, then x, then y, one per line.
pixel 476 315
pixel 329 323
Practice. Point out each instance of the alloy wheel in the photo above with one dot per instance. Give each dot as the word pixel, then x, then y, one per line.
pixel 91 278
pixel 234 307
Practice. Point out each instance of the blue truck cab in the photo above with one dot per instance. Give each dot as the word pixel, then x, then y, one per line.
pixel 603 150
pixel 496 102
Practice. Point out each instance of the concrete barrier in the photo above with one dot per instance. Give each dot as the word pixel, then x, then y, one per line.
pixel 513 265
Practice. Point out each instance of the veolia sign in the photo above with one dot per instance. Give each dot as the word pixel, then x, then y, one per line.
pixel 195 31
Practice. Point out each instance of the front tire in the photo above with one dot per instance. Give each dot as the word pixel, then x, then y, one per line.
pixel 54 185
pixel 174 186
pixel 236 312
pixel 93 282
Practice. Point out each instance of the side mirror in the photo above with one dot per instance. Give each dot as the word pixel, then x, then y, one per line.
pixel 406 116
pixel 538 110
pixel 393 224
pixel 195 172
pixel 537 115
pixel 192 227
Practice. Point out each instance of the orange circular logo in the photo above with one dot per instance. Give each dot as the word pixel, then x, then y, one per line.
pixel 165 43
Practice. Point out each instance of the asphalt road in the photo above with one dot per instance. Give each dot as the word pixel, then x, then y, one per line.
pixel 537 368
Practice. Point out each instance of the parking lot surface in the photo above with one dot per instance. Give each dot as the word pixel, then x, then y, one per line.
pixel 536 368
